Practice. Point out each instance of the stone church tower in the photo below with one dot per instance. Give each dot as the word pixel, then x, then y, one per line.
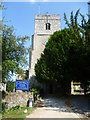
pixel 45 26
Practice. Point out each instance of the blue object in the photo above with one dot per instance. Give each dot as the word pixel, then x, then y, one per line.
pixel 22 85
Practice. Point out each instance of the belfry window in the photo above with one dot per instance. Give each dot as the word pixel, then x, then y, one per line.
pixel 47 26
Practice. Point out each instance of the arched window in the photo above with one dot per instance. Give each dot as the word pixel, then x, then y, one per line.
pixel 47 26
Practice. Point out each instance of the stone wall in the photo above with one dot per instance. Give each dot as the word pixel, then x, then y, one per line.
pixel 17 98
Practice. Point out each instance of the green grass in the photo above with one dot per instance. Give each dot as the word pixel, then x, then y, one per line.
pixel 0 116
pixel 18 113
pixel 76 90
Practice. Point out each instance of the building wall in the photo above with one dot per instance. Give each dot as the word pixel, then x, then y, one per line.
pixel 41 36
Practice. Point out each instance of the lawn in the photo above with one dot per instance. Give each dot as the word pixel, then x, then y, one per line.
pixel 19 113
pixel 0 116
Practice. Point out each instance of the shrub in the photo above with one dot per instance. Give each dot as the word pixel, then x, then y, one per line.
pixel 10 86
pixel 34 90
pixel 3 106
pixel 15 108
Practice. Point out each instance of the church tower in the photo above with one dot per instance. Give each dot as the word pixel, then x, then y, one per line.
pixel 45 26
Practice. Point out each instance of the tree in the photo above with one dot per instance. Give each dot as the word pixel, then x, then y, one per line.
pixel 41 66
pixel 81 67
pixel 14 52
pixel 51 66
pixel 86 55
pixel 65 56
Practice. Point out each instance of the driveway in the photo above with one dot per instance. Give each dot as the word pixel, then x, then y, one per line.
pixel 53 108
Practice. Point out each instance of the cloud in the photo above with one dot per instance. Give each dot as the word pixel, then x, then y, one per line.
pixel 32 0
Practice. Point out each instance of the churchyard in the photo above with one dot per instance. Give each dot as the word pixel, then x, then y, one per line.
pixel 57 82
pixel 16 105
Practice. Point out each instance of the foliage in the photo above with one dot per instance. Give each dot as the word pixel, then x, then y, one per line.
pixel 3 106
pixel 18 113
pixel 81 66
pixel 34 92
pixel 17 107
pixel 55 59
pixel 10 86
pixel 41 66
pixel 14 52
pixel 66 56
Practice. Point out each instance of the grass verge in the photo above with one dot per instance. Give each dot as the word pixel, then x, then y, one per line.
pixel 0 116
pixel 17 114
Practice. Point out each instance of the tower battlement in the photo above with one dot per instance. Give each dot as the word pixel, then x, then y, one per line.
pixel 41 23
pixel 54 16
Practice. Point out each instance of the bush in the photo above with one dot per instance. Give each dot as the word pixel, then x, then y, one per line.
pixel 15 108
pixel 34 90
pixel 3 106
pixel 10 86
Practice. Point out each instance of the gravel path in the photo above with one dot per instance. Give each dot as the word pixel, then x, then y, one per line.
pixel 53 108
pixel 81 105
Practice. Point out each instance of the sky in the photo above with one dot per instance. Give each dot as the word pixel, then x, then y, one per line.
pixel 21 14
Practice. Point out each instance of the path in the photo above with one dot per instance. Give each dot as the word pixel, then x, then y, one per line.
pixel 81 104
pixel 53 108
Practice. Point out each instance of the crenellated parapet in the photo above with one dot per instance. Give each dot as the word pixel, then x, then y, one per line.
pixel 54 16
